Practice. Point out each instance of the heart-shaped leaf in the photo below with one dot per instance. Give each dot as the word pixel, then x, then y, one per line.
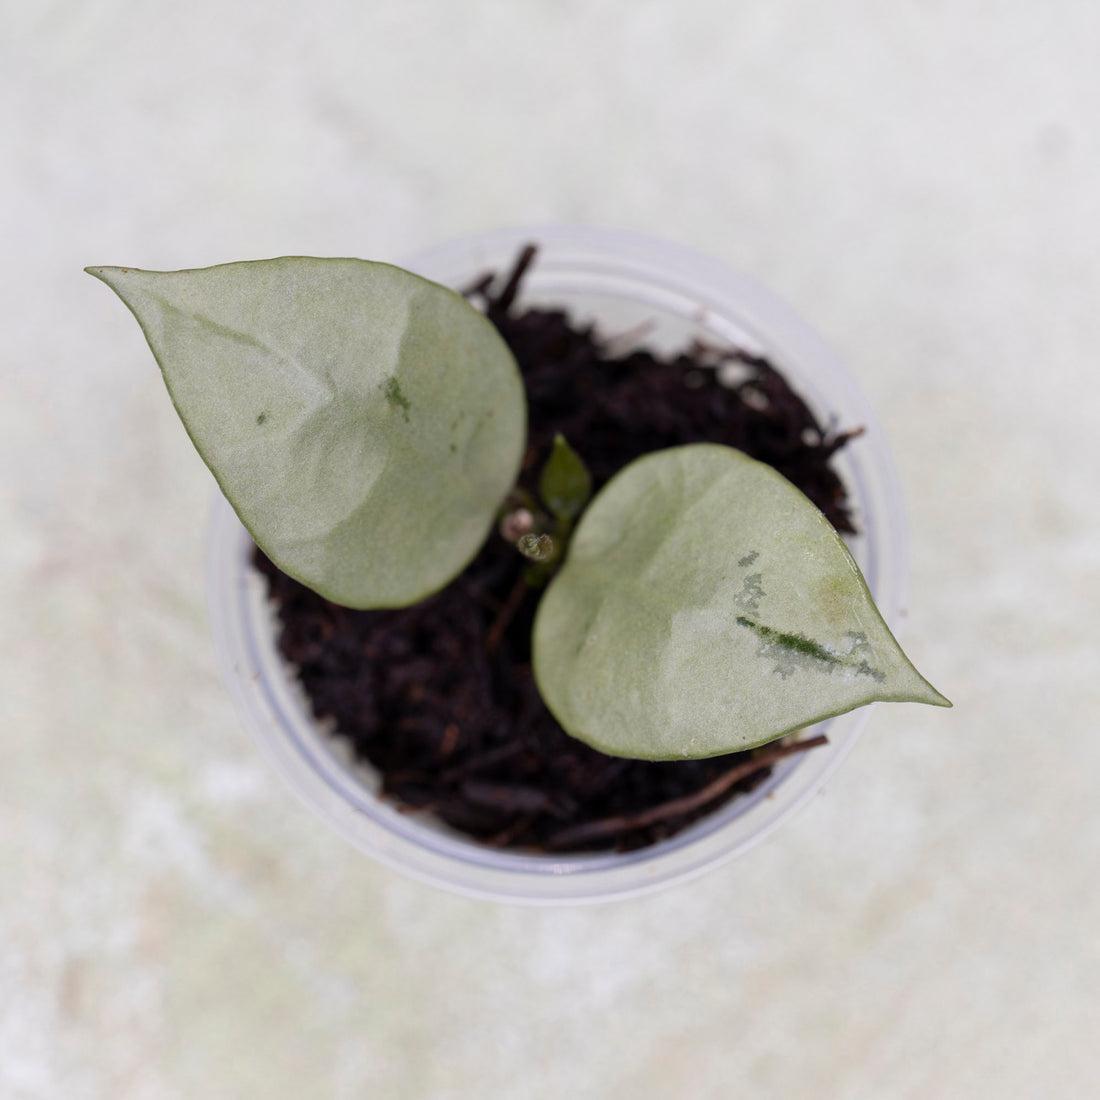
pixel 706 606
pixel 364 423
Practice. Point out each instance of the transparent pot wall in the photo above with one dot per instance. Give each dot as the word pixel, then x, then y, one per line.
pixel 625 284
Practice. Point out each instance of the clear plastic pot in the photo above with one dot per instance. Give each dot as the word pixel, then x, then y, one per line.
pixel 624 282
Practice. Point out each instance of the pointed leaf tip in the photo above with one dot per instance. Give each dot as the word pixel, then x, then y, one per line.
pixel 706 606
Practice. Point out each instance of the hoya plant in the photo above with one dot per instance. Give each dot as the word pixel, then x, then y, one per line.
pixel 368 428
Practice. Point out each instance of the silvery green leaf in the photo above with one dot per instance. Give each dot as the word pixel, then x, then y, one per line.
pixel 565 484
pixel 364 423
pixel 706 606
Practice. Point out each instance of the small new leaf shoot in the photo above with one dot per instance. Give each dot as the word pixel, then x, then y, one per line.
pixel 537 548
pixel 565 484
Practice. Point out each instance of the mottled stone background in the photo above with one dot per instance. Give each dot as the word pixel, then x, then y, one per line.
pixel 922 180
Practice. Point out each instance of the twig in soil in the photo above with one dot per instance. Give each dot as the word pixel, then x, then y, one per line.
pixel 678 807
pixel 830 444
pixel 503 302
pixel 507 835
pixel 481 762
pixel 479 287
pixel 451 733
pixel 507 797
pixel 505 615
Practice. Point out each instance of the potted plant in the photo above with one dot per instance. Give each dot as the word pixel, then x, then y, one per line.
pixel 371 431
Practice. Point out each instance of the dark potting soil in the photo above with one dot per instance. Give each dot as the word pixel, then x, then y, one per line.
pixel 440 698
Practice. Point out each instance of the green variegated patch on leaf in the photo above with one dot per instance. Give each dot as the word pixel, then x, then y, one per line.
pixel 364 423
pixel 706 606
